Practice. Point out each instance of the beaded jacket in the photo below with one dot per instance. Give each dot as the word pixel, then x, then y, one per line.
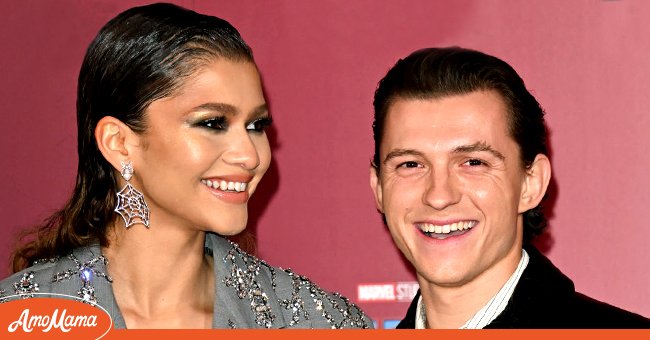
pixel 249 292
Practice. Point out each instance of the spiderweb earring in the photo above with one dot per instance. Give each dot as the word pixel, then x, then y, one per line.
pixel 130 202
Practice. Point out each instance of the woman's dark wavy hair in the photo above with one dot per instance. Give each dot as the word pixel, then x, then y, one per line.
pixel 141 55
pixel 440 72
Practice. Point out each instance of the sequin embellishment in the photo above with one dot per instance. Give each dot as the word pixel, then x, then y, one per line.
pixel 336 310
pixel 350 314
pixel 46 260
pixel 85 271
pixel 232 324
pixel 3 293
pixel 296 303
pixel 246 286
pixel 26 287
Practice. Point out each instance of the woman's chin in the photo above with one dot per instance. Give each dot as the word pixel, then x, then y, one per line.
pixel 228 230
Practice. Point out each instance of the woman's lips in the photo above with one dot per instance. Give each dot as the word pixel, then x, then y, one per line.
pixel 225 185
pixel 228 189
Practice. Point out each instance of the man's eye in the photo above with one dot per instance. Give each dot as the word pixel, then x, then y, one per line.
pixel 409 164
pixel 259 125
pixel 475 162
pixel 217 123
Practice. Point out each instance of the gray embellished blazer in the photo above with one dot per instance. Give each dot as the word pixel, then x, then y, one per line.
pixel 249 292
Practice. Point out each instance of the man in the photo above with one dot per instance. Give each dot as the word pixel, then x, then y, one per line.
pixel 459 172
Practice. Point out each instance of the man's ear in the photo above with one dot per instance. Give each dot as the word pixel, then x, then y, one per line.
pixel 115 140
pixel 375 185
pixel 535 184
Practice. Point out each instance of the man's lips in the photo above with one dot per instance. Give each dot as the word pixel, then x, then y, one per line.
pixel 445 229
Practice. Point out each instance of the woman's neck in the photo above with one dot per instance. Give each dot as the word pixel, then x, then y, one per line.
pixel 161 276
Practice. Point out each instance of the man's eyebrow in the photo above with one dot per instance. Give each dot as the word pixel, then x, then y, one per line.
pixel 479 147
pixel 402 152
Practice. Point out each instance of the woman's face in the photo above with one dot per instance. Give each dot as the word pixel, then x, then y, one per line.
pixel 205 149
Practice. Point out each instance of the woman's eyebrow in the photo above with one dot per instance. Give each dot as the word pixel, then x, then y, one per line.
pixel 225 109
pixel 260 110
pixel 230 110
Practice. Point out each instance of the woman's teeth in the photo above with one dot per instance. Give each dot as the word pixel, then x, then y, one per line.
pixel 225 185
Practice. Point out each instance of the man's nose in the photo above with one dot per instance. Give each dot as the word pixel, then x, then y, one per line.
pixel 442 190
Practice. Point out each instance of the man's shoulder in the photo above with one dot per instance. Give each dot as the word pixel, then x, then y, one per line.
pixel 408 322
pixel 546 298
pixel 592 313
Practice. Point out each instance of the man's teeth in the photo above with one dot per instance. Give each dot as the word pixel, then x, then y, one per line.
pixel 224 185
pixel 447 228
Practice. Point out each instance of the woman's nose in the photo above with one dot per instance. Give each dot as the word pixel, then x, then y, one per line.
pixel 242 151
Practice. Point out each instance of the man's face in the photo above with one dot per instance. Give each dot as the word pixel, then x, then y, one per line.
pixel 451 184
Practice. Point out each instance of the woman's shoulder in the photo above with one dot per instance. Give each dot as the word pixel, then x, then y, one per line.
pixel 33 279
pixel 302 302
pixel 326 309
pixel 58 275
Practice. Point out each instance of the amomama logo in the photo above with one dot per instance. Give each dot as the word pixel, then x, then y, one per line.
pixel 48 317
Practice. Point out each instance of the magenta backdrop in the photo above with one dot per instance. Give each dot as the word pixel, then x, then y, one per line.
pixel 588 63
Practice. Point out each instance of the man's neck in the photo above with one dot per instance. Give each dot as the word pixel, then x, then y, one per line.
pixel 451 306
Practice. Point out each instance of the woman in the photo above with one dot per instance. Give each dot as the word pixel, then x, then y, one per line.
pixel 171 144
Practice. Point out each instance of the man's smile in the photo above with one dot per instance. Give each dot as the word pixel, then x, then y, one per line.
pixel 442 231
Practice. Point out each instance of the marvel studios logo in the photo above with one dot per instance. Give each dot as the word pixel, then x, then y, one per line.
pixel 387 292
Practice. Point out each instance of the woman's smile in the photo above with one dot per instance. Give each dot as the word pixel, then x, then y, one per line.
pixel 231 189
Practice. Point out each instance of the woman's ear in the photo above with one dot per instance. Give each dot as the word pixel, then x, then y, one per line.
pixel 115 140
pixel 537 179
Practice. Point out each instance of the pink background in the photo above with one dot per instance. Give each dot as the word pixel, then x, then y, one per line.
pixel 587 62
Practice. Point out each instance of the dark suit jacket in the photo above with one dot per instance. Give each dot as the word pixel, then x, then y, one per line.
pixel 546 298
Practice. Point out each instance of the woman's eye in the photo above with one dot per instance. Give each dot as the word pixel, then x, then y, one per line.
pixel 217 123
pixel 259 125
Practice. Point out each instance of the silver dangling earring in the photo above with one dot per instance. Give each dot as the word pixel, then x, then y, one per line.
pixel 130 202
